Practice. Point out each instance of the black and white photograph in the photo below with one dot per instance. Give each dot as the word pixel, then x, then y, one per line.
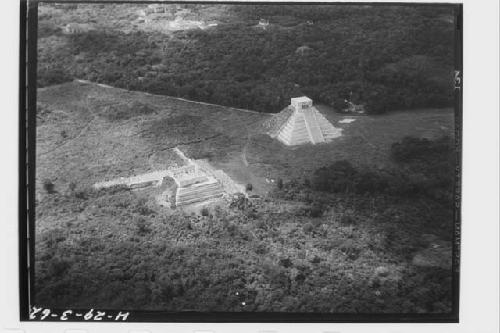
pixel 251 159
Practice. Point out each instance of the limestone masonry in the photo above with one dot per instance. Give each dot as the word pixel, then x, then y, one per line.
pixel 193 183
pixel 306 125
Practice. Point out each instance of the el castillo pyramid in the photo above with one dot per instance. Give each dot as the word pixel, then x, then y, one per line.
pixel 302 123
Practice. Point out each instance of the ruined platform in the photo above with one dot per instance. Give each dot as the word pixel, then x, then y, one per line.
pixel 193 183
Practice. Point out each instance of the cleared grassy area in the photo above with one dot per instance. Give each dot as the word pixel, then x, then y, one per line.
pixel 95 146
pixel 79 140
pixel 365 142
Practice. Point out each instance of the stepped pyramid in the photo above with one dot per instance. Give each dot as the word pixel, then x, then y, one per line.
pixel 305 124
pixel 206 190
pixel 194 185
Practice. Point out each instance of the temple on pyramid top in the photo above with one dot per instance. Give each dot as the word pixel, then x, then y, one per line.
pixel 301 103
pixel 302 123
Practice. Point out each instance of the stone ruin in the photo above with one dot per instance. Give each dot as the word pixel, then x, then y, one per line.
pixel 305 124
pixel 195 185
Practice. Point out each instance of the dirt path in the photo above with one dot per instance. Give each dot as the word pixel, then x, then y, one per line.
pixel 247 143
pixel 245 149
pixel 181 155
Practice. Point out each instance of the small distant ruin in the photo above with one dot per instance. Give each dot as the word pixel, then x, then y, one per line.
pixel 353 108
pixel 303 50
pixel 263 23
pixel 184 24
pixel 302 123
pixel 75 28
pixel 156 9
pixel 347 121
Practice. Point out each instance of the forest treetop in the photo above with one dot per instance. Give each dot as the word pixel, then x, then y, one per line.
pixel 387 57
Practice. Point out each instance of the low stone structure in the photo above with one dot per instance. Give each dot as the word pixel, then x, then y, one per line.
pixel 263 23
pixel 229 185
pixel 75 28
pixel 354 108
pixel 303 50
pixel 193 184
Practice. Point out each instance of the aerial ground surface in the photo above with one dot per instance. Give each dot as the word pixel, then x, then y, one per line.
pixel 362 224
pixel 116 248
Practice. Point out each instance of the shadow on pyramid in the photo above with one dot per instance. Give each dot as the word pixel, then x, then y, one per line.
pixel 302 123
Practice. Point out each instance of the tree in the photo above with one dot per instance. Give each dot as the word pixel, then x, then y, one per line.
pixel 48 186
pixel 204 211
pixel 72 186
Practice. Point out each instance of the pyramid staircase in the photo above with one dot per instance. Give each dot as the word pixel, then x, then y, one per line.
pixel 198 192
pixel 307 126
pixel 327 129
pixel 313 127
